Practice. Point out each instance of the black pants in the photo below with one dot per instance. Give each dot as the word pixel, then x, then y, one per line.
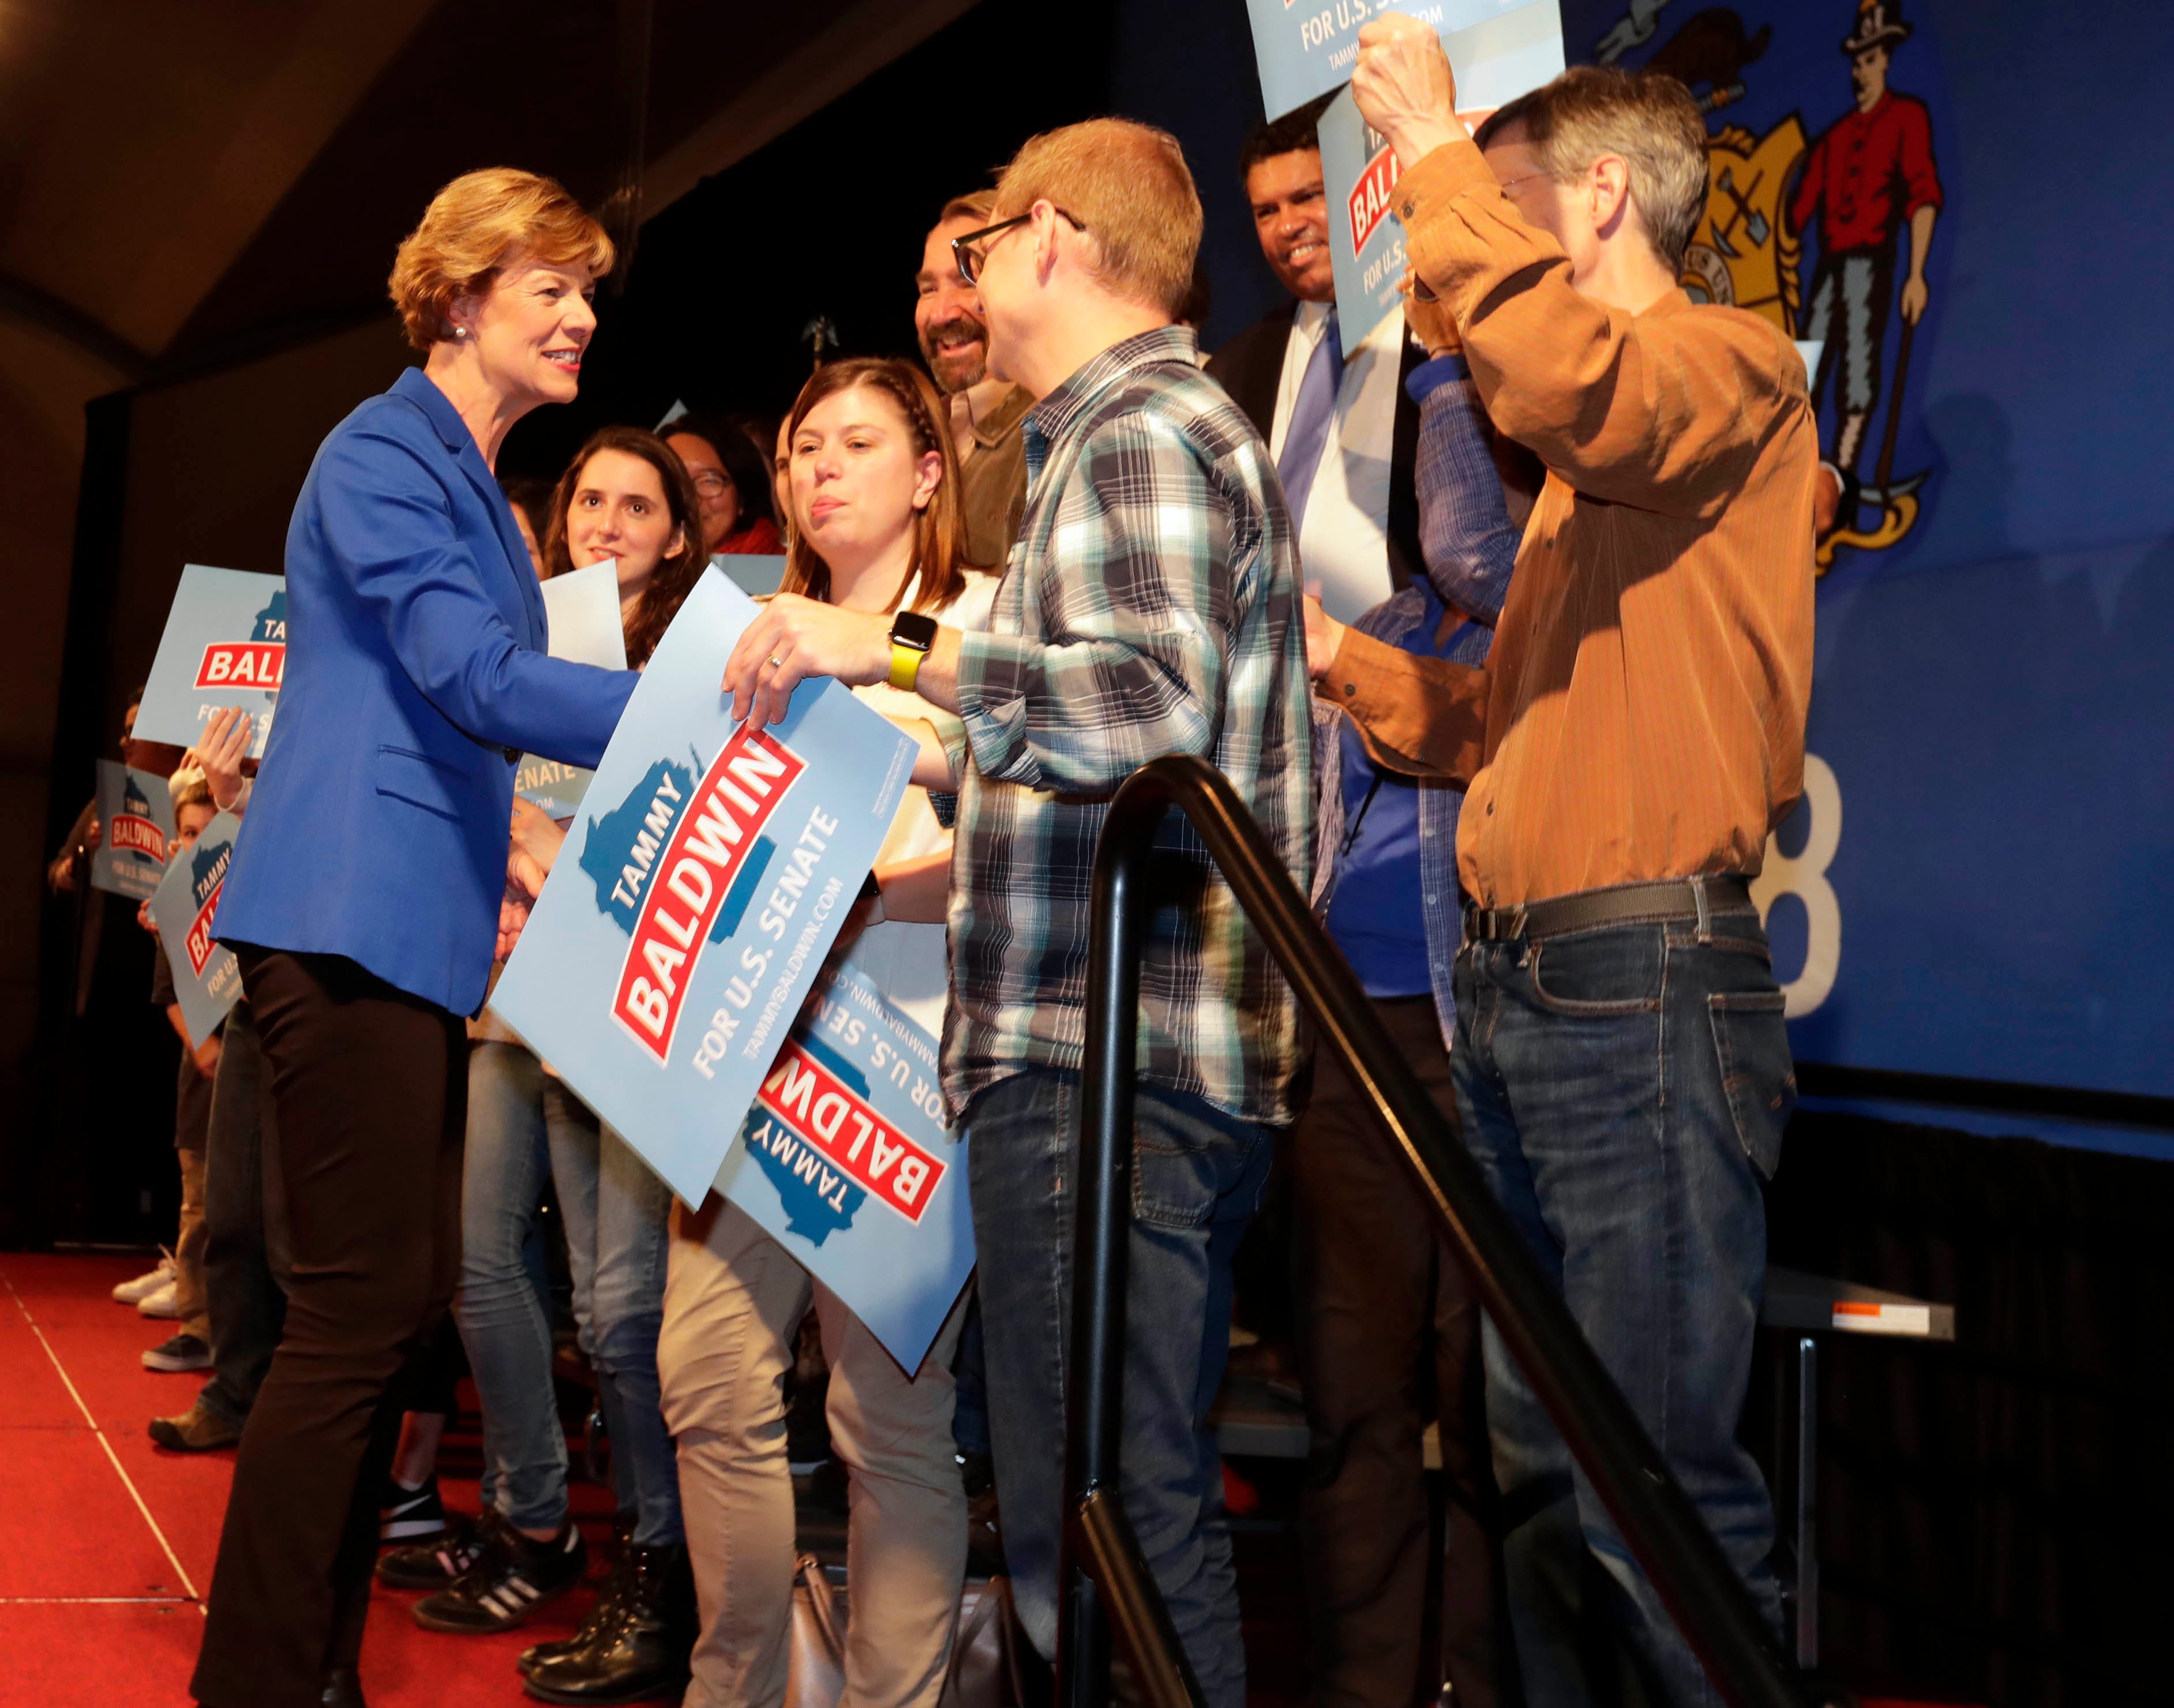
pixel 371 1092
pixel 1388 1337
pixel 246 1258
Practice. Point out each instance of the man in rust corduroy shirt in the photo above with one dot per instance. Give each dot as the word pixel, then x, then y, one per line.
pixel 1621 1062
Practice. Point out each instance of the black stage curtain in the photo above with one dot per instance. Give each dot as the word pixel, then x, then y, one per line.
pixel 1995 1515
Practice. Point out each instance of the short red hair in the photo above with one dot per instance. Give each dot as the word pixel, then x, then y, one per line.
pixel 472 228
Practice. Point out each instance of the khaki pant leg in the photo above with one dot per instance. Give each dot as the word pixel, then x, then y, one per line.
pixel 906 1539
pixel 189 1298
pixel 733 1300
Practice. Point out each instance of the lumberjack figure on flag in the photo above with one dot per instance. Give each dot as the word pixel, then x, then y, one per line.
pixel 1869 174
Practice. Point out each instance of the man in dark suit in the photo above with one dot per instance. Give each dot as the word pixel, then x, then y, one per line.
pixel 1345 444
pixel 1385 1333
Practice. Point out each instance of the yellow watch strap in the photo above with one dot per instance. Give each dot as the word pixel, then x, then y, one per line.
pixel 904 665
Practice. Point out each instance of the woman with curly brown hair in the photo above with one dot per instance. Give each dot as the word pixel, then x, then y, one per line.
pixel 627 497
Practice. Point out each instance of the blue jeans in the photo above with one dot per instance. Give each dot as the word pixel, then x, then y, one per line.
pixel 522 1127
pixel 619 1224
pixel 1625 1090
pixel 1198 1180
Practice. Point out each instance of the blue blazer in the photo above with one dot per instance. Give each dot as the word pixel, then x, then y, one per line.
pixel 415 677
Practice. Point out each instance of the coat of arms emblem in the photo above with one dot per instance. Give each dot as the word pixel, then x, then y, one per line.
pixel 1864 195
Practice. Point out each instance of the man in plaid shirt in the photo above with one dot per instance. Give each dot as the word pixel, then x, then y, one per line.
pixel 1150 607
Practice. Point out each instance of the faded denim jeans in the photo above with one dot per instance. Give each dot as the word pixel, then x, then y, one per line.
pixel 524 1127
pixel 1625 1090
pixel 1198 1178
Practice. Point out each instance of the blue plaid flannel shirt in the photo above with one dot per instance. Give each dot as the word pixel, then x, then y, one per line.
pixel 1150 607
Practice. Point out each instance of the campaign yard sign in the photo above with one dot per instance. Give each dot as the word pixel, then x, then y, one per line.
pixel 698 892
pixel 583 609
pixel 845 1159
pixel 206 977
pixel 135 816
pixel 1305 48
pixel 1496 61
pixel 225 645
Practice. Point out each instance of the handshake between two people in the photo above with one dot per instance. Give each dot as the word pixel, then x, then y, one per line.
pixel 792 640
pixel 796 639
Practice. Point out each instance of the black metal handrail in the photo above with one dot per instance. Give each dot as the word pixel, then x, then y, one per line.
pixel 1665 1532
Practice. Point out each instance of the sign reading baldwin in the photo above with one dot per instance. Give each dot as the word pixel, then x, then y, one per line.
pixel 225 644
pixel 1496 61
pixel 135 814
pixel 206 977
pixel 698 892
pixel 846 1160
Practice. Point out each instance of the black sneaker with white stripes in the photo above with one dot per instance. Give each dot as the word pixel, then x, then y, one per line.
pixel 432 1566
pixel 408 1515
pixel 511 1577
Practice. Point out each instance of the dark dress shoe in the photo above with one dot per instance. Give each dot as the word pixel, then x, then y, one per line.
pixel 638 1649
pixel 343 1689
pixel 604 1616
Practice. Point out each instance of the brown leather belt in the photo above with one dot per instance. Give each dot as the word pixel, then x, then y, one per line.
pixel 1623 904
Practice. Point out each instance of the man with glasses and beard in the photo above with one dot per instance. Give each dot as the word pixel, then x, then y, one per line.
pixel 986 413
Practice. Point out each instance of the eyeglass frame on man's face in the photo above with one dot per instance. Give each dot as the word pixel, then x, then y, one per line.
pixel 972 263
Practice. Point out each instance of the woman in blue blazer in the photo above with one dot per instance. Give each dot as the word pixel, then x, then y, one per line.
pixel 364 896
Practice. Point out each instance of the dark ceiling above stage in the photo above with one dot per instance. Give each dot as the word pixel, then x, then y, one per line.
pixel 183 184
pixel 484 83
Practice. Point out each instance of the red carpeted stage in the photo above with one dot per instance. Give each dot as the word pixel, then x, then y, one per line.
pixel 107 1541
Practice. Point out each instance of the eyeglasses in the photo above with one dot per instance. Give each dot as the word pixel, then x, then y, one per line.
pixel 1508 184
pixel 709 484
pixel 973 258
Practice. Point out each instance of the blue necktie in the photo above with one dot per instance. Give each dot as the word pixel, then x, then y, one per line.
pixel 1310 418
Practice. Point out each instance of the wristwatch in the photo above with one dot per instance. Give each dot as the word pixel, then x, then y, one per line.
pixel 912 633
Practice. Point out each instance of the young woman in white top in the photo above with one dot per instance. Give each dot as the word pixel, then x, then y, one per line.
pixel 876 526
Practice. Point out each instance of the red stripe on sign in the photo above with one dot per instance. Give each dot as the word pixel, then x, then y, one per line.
pixel 1370 197
pixel 199 942
pixel 243 664
pixel 809 1098
pixel 133 834
pixel 689 883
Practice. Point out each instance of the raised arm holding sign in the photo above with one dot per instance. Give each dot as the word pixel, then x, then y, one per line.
pixel 1634 734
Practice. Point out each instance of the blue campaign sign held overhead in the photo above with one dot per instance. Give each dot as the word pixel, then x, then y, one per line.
pixel 206 977
pixel 1494 61
pixel 1365 243
pixel 136 820
pixel 845 1159
pixel 698 892
pixel 1306 48
pixel 225 644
